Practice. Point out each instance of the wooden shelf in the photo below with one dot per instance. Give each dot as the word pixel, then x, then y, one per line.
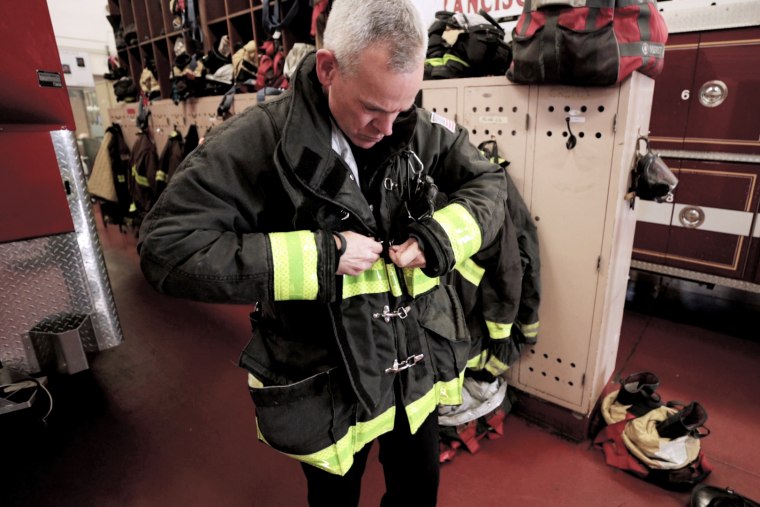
pixel 240 20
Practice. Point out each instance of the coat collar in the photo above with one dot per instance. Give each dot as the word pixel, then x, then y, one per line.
pixel 306 148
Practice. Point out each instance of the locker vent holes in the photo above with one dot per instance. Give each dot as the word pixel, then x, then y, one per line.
pixel 545 368
pixel 445 109
pixel 568 109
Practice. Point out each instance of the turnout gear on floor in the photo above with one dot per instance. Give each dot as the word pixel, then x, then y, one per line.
pixel 660 443
pixel 257 226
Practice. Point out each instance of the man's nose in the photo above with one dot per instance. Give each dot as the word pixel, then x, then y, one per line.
pixel 384 123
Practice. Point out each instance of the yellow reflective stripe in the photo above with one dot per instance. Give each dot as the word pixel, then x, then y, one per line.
pixel 449 392
pixel 417 282
pixel 161 176
pixel 529 330
pixel 470 271
pixel 435 62
pixel 418 410
pixel 132 207
pixel 496 367
pixel 338 457
pixel 294 256
pixel 449 56
pixel 254 382
pixel 121 178
pixel 393 280
pixel 372 281
pixel 140 180
pixel 478 362
pixel 498 331
pixel 463 231
pixel 382 277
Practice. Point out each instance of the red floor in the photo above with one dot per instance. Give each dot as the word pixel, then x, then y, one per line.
pixel 165 419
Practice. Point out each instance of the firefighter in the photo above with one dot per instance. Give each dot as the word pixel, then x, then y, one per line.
pixel 318 207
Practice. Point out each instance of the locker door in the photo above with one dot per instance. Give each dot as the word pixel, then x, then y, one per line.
pixel 569 199
pixel 442 101
pixel 723 113
pixel 500 113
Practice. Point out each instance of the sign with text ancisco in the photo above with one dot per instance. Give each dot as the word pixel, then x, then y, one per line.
pixel 496 8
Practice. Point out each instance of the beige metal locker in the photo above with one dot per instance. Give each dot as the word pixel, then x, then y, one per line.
pixel 577 198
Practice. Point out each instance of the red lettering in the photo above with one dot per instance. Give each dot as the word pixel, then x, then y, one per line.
pixel 445 5
pixel 506 4
pixel 473 6
pixel 457 5
pixel 521 3
pixel 485 7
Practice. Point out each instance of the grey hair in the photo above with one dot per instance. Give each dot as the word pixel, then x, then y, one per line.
pixel 354 26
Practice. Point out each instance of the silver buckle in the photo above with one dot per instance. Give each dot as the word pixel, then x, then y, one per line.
pixel 401 312
pixel 406 363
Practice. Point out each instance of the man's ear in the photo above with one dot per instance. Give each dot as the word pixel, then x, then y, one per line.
pixel 327 66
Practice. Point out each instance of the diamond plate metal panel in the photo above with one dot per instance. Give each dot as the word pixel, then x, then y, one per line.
pixel 38 278
pixel 56 276
pixel 104 317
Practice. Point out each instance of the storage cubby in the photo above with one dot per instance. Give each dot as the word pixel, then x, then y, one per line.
pixel 241 29
pixel 141 21
pixel 152 21
pixel 235 7
pixel 155 19
pixel 163 66
pixel 214 11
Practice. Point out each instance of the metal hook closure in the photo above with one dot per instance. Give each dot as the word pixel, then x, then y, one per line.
pixel 401 312
pixel 389 184
pixel 406 363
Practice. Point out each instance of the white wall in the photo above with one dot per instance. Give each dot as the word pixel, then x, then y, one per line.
pixel 81 26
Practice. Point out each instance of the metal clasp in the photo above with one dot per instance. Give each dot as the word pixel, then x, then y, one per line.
pixel 402 312
pixel 389 184
pixel 406 363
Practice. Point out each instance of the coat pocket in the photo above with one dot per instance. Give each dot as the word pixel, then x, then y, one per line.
pixel 305 417
pixel 446 333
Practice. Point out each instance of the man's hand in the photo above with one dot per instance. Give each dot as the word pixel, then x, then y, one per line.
pixel 407 255
pixel 361 253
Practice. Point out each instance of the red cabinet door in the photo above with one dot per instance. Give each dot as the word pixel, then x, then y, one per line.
pixel 672 92
pixel 713 217
pixel 33 196
pixel 728 63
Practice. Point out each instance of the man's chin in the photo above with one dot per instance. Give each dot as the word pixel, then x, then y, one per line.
pixel 366 142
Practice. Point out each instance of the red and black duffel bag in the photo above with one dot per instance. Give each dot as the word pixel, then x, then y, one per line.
pixel 587 42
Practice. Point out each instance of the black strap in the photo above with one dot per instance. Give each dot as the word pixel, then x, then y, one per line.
pixel 272 20
pixel 343 244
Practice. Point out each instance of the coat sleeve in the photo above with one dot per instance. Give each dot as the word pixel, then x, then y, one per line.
pixel 476 191
pixel 220 233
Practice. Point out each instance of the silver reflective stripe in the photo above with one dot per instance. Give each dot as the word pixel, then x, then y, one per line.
pixel 642 49
pixel 653 212
pixel 727 221
pixel 643 20
pixel 535 5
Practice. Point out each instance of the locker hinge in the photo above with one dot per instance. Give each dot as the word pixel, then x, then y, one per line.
pixel 599 263
pixel 614 123
pixel 527 121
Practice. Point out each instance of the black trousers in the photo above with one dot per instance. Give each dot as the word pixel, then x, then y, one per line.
pixel 410 465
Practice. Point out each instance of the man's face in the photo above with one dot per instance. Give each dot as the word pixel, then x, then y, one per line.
pixel 366 104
